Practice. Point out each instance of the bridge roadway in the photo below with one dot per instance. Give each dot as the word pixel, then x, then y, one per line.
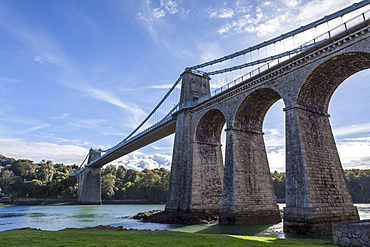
pixel 168 126
pixel 160 131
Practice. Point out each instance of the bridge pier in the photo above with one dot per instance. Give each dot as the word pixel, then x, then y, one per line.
pixel 248 193
pixel 89 182
pixel 197 167
pixel 317 193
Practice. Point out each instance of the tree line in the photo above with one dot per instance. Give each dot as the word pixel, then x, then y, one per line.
pixel 358 184
pixel 24 178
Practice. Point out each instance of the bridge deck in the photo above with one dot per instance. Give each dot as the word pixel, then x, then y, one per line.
pixel 155 134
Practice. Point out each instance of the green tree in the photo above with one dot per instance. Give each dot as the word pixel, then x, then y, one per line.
pixel 45 171
pixel 108 186
pixel 23 168
pixel 7 179
pixel 278 180
pixel 35 189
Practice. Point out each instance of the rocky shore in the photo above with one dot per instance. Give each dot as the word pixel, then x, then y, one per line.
pixel 165 217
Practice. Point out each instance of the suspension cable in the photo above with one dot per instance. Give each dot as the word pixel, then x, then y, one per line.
pixel 264 60
pixel 340 13
pixel 83 161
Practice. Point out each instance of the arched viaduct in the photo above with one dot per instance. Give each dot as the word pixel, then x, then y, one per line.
pixel 238 186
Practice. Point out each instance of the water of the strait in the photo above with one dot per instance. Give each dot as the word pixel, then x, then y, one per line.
pixel 52 217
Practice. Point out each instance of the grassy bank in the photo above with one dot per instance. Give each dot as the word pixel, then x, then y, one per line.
pixel 95 237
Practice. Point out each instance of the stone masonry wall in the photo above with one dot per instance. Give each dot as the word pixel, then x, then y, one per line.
pixel 352 233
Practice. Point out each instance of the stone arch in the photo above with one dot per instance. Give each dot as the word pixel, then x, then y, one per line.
pixel 248 193
pixel 208 162
pixel 315 182
pixel 253 109
pixel 318 88
pixel 210 126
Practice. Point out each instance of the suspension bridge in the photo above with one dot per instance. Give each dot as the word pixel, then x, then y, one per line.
pixel 303 67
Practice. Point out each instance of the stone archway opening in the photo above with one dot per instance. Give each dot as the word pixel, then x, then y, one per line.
pixel 350 120
pixel 208 163
pixel 274 137
pixel 248 195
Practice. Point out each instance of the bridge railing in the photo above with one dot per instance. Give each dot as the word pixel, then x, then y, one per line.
pixel 268 62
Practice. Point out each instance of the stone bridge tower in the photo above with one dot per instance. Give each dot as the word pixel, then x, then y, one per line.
pixel 89 182
pixel 196 184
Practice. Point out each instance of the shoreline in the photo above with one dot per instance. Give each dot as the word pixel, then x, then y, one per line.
pixel 58 202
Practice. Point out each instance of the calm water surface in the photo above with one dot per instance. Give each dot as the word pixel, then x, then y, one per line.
pixel 54 218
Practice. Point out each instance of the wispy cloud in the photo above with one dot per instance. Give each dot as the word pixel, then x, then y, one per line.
pixel 28 130
pixel 352 129
pixel 278 16
pixel 112 98
pixel 62 116
pixel 163 86
pixel 48 50
pixel 21 120
pixel 152 16
pixel 221 13
pixel 64 141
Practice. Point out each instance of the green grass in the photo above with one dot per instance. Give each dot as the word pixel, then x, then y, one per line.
pixel 95 237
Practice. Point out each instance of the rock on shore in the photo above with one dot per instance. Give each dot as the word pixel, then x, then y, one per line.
pixel 165 217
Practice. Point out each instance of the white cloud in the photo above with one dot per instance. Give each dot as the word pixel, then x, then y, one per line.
pixel 222 13
pixel 355 152
pixel 291 3
pixel 37 151
pixel 268 3
pixel 158 13
pixel 139 161
pixel 245 23
pixel 277 160
pixel 242 6
pixel 279 16
pixel 352 129
pixel 170 6
pixel 42 60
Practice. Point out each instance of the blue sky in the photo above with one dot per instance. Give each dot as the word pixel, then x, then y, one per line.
pixel 82 74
